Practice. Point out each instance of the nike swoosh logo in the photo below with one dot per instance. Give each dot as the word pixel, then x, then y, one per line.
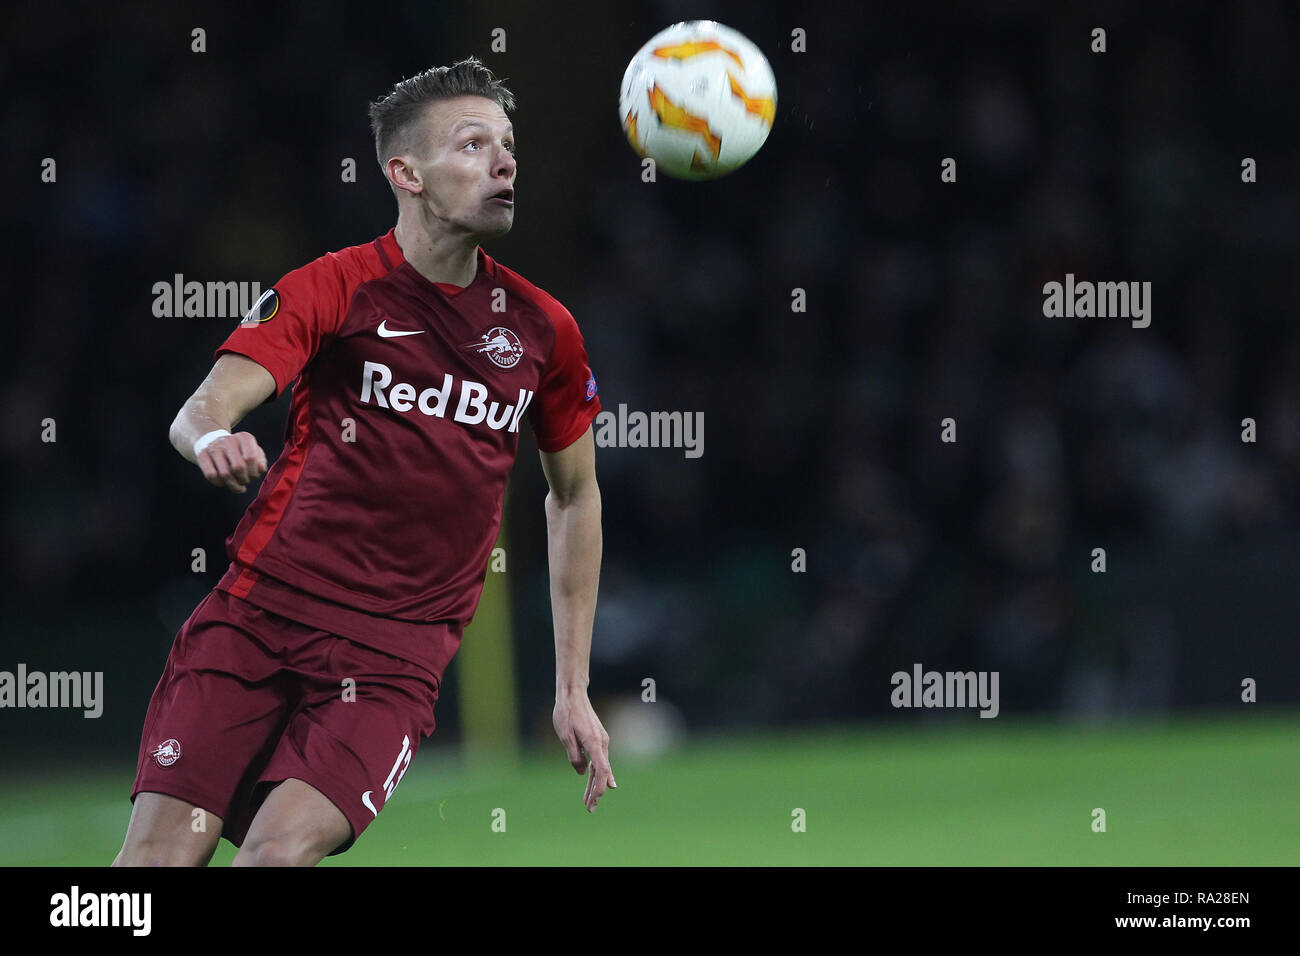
pixel 365 798
pixel 387 333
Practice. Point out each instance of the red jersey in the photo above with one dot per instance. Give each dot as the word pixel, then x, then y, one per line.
pixel 378 520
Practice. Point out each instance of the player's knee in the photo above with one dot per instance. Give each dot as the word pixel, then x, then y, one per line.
pixel 279 851
pixel 161 853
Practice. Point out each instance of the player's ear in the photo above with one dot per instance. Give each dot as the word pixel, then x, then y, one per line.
pixel 403 175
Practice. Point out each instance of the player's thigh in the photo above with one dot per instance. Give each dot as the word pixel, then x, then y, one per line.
pixel 296 825
pixel 167 831
pixel 356 733
pixel 216 715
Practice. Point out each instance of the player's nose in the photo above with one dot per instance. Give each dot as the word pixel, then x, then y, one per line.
pixel 506 164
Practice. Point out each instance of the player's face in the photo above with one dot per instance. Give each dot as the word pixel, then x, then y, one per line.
pixel 468 164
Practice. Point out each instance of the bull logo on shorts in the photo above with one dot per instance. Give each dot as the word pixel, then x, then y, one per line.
pixel 168 752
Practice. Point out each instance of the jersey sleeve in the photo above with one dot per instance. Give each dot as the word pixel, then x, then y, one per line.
pixel 291 321
pixel 566 400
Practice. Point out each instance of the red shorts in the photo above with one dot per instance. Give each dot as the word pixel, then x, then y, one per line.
pixel 249 698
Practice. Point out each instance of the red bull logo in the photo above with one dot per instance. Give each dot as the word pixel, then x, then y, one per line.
pixel 500 345
pixel 473 408
pixel 168 752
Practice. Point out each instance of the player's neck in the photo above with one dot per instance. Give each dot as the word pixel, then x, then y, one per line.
pixel 439 259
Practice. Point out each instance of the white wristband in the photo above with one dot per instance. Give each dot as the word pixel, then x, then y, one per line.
pixel 207 440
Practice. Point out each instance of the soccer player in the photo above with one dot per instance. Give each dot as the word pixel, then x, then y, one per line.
pixel 297 692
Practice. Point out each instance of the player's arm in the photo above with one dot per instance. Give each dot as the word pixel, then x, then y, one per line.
pixel 574 547
pixel 235 386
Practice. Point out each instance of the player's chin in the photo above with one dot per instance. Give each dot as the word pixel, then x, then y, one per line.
pixel 500 223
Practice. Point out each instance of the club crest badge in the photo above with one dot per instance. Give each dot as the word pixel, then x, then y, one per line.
pixel 168 752
pixel 500 345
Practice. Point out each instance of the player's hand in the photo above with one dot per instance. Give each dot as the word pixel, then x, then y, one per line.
pixel 233 461
pixel 585 742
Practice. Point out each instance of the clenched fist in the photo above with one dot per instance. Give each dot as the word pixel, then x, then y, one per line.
pixel 232 461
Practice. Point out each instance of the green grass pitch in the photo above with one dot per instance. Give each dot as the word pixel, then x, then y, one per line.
pixel 1196 791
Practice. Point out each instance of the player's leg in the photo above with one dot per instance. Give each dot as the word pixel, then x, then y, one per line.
pixel 167 831
pixel 343 753
pixel 214 720
pixel 297 825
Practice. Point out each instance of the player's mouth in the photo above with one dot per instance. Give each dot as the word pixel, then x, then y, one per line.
pixel 505 197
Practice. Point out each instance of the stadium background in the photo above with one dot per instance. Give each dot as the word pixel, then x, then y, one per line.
pixel 1118 690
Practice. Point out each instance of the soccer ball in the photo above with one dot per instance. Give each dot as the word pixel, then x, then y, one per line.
pixel 699 99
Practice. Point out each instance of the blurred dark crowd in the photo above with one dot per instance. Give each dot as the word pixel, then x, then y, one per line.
pixel 822 427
